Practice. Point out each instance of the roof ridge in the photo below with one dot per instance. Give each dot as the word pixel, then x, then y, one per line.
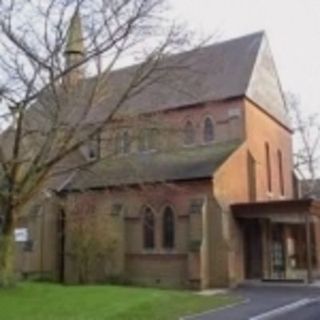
pixel 260 33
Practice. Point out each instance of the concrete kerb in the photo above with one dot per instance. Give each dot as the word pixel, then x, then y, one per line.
pixel 211 311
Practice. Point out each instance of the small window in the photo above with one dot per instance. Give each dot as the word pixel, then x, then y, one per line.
pixel 148 229
pixel 122 142
pixel 94 147
pixel 196 206
pixel 189 133
pixel 125 143
pixel 147 140
pixel 168 226
pixel 208 130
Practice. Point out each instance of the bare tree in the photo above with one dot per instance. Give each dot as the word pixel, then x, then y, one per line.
pixel 92 239
pixel 49 109
pixel 306 129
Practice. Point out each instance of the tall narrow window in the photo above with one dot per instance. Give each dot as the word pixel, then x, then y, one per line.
pixel 148 229
pixel 94 147
pixel 147 140
pixel 280 168
pixel 168 228
pixel 125 143
pixel 268 167
pixel 189 133
pixel 122 142
pixel 252 177
pixel 208 130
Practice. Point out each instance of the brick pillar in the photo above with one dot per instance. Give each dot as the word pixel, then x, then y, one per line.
pixel 266 242
pixel 119 256
pixel 205 247
pixel 194 242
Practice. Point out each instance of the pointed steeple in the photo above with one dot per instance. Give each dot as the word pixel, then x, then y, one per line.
pixel 74 50
pixel 74 45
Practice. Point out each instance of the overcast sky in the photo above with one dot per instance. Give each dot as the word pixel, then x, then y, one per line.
pixel 292 26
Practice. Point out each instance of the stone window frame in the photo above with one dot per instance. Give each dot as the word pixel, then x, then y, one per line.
pixel 94 147
pixel 195 206
pixel 208 117
pixel 145 245
pixel 174 229
pixel 123 146
pixel 147 140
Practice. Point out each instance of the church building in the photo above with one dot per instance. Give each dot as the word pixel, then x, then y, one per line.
pixel 196 174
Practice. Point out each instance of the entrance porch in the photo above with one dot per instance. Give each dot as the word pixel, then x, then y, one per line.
pixel 281 239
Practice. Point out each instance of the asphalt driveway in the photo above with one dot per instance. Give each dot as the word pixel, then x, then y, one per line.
pixel 263 302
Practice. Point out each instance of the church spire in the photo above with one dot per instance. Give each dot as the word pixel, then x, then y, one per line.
pixel 74 50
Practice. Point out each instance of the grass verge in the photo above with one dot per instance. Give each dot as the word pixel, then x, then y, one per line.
pixel 43 301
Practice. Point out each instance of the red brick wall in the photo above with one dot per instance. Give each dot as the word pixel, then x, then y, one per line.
pixel 178 267
pixel 261 128
pixel 227 117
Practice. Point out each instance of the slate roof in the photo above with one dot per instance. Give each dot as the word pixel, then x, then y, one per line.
pixel 236 68
pixel 183 164
pixel 215 72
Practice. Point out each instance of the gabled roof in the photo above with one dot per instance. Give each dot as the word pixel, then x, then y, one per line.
pixel 216 72
pixel 184 164
pixel 264 87
pixel 236 68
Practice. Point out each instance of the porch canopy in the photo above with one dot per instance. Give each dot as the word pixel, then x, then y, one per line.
pixel 285 210
pixel 281 238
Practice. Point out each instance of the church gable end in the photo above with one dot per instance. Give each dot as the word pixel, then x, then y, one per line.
pixel 264 87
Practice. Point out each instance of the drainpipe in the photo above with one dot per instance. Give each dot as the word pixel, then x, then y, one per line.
pixel 309 248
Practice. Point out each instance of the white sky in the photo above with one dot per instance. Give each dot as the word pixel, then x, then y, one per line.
pixel 292 26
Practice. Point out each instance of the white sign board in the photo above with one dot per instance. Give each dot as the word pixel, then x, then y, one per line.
pixel 21 235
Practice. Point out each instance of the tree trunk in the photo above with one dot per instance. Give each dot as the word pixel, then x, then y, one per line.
pixel 7 277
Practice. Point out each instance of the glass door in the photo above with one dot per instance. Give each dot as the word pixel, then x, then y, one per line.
pixel 278 253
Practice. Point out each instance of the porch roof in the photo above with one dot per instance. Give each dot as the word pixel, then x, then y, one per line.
pixel 269 208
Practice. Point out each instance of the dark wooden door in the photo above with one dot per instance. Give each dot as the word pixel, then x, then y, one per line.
pixel 253 249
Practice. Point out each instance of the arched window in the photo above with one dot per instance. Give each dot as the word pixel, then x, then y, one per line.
pixel 148 229
pixel 208 130
pixel 189 133
pixel 168 228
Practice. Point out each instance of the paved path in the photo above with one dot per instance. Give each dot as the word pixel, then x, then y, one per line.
pixel 308 312
pixel 261 300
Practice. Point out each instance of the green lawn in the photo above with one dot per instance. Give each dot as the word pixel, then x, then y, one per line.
pixel 41 301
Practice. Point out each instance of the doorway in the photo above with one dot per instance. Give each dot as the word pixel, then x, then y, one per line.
pixel 278 252
pixel 253 249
